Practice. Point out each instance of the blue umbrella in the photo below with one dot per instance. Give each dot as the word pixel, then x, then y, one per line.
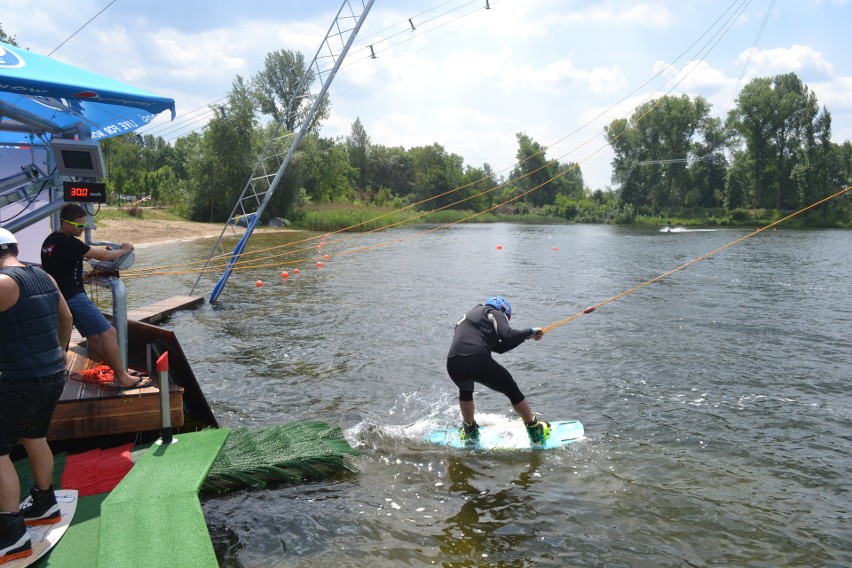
pixel 41 97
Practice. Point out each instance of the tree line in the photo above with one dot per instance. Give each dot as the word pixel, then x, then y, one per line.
pixel 671 157
pixel 774 151
pixel 201 175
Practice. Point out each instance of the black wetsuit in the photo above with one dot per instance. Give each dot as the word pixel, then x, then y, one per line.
pixel 483 330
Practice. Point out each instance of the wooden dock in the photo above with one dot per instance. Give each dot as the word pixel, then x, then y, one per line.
pixel 158 311
pixel 86 410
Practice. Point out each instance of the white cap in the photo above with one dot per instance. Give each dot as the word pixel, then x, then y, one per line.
pixel 7 237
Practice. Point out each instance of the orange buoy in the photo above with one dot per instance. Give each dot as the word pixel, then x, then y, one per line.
pixel 499 247
pixel 285 274
pixel 554 248
pixel 325 256
pixel 259 283
pixel 319 265
pixel 295 271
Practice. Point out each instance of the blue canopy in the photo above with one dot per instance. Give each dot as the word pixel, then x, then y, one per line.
pixel 39 96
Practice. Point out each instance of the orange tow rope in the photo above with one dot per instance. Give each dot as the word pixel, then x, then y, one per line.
pixel 101 376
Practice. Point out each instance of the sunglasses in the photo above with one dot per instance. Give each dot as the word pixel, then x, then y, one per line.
pixel 76 225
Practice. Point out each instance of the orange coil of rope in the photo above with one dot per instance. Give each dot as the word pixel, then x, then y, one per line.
pixel 101 376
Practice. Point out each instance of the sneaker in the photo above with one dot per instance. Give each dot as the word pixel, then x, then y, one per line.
pixel 538 431
pixel 15 541
pixel 469 433
pixel 41 507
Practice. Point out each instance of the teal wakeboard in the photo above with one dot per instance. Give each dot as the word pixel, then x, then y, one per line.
pixel 509 436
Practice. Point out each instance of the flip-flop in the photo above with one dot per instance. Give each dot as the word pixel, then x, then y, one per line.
pixel 141 383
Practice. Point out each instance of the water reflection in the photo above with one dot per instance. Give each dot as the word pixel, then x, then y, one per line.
pixel 491 526
pixel 719 398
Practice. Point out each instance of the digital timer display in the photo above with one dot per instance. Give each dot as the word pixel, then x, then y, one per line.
pixel 89 192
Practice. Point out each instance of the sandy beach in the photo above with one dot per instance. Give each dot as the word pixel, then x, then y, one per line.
pixel 151 231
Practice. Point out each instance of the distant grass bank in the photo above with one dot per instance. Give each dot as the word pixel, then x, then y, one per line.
pixel 338 217
pixel 334 217
pixel 743 218
pixel 105 213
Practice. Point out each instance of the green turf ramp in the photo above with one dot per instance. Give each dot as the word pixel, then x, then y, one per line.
pixel 153 518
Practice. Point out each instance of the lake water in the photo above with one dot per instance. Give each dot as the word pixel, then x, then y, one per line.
pixel 716 401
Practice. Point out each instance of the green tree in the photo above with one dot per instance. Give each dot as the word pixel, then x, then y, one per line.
pixel 282 89
pixel 182 149
pixel 225 159
pixel 812 171
pixel 5 38
pixel 627 153
pixel 358 149
pixel 570 181
pixel 667 144
pixel 290 186
pixel 477 188
pixel 436 175
pixel 125 166
pixel 392 168
pixel 773 119
pixel 323 169
pixel 709 167
pixel 751 121
pixel 534 172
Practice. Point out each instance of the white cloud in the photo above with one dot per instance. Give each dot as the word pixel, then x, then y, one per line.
pixel 836 94
pixel 606 80
pixel 796 58
pixel 469 79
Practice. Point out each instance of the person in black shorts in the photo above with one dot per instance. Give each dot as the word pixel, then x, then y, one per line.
pixel 62 255
pixel 35 328
pixel 481 331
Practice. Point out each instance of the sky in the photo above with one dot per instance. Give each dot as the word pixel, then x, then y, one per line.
pixel 458 73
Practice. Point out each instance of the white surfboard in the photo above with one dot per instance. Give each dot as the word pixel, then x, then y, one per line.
pixel 45 537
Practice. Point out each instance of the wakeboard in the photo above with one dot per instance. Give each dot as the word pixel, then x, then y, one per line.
pixel 509 436
pixel 45 537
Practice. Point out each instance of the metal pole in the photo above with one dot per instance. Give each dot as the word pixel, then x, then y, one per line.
pixel 119 315
pixel 165 410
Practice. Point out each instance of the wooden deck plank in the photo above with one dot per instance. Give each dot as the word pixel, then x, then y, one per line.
pixel 127 414
pixel 86 410
pixel 158 311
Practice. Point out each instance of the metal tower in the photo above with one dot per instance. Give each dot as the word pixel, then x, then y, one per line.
pixel 272 164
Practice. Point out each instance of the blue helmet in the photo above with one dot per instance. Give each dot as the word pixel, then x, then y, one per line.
pixel 500 303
